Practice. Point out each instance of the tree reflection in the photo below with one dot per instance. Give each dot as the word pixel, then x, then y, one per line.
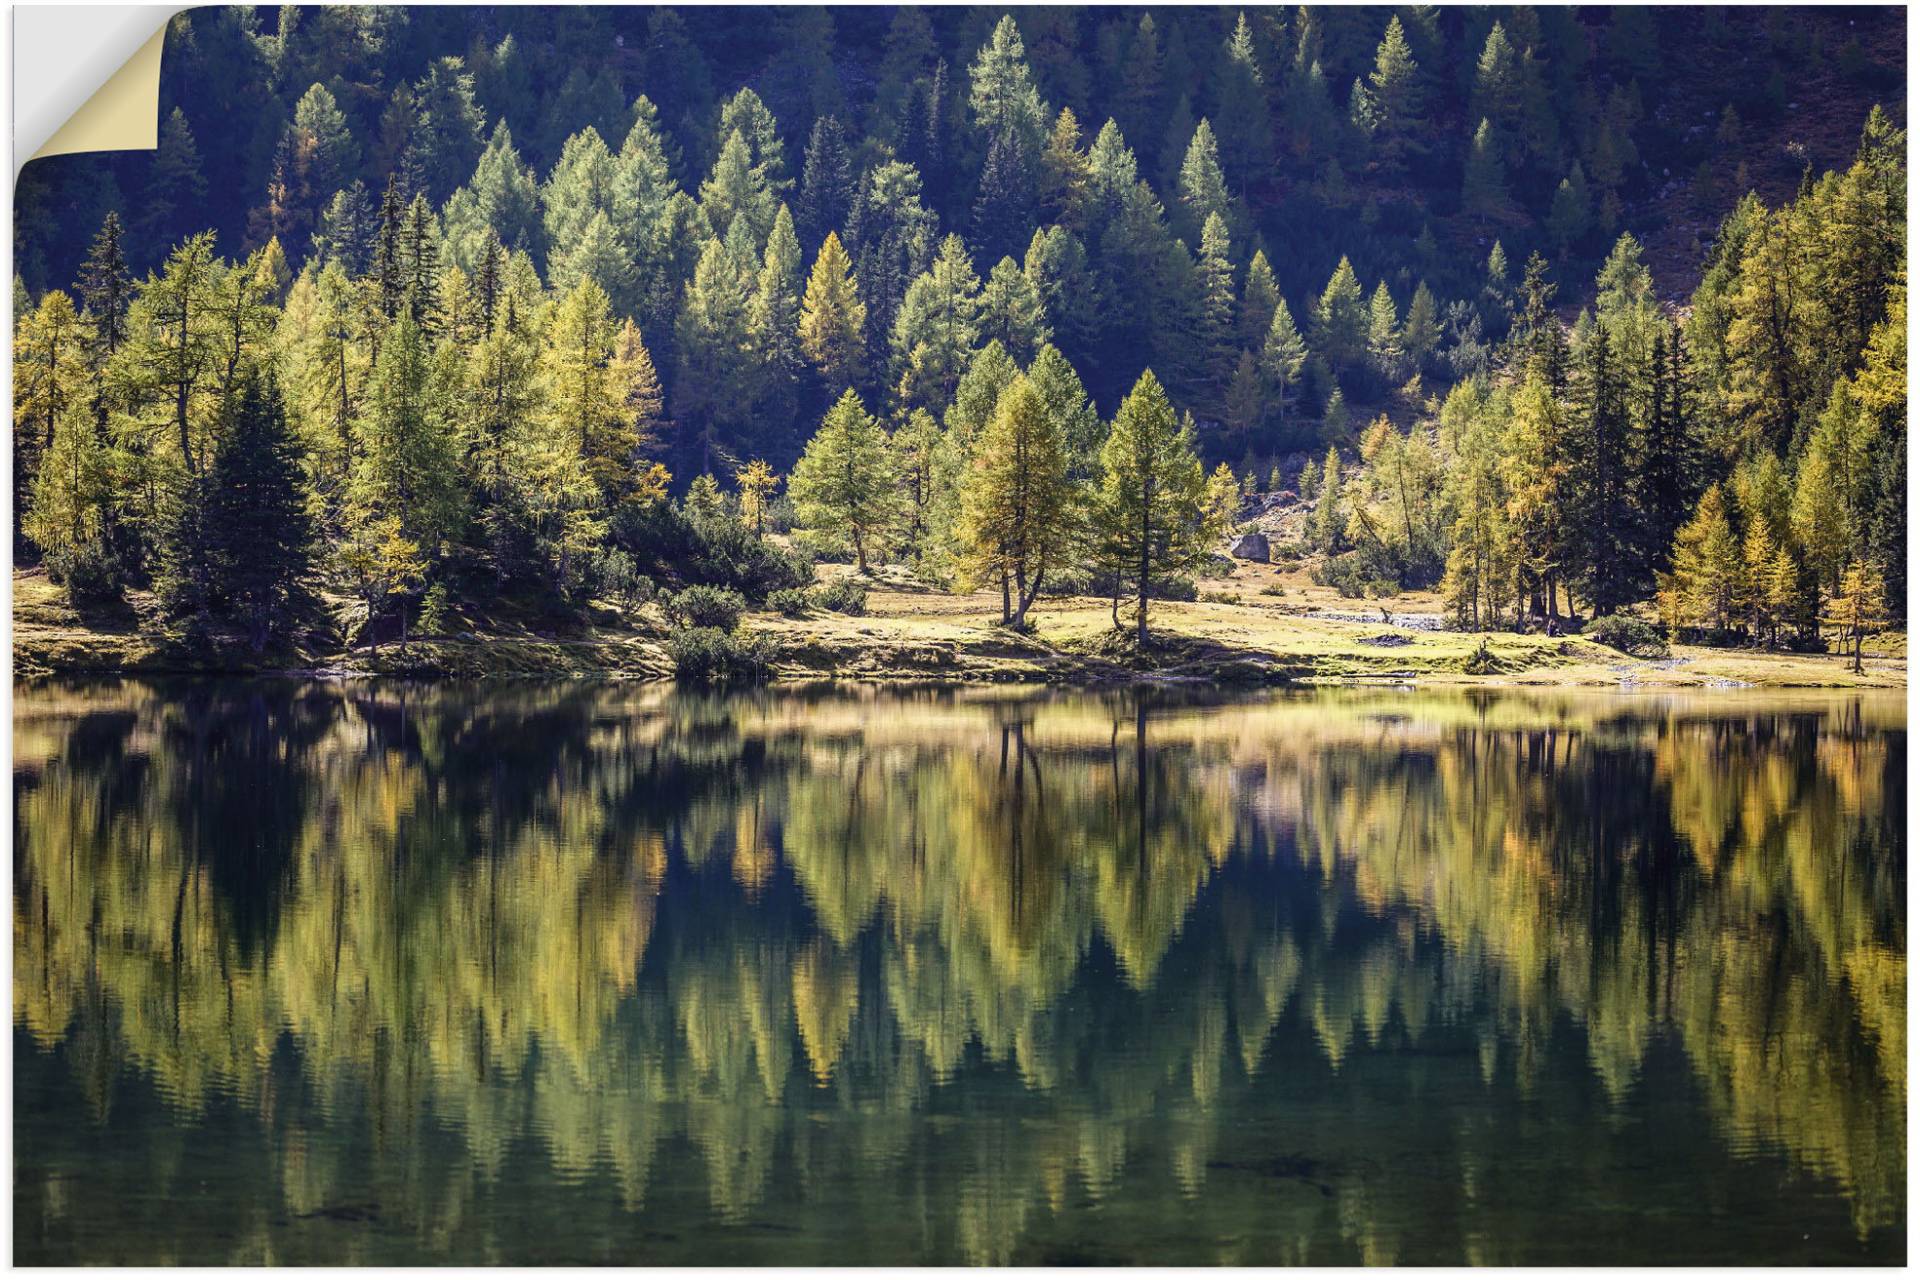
pixel 993 959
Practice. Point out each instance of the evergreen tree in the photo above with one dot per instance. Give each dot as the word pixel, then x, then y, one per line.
pixel 844 487
pixel 1420 337
pixel 587 383
pixel 1018 519
pixel 1283 355
pixel 1483 188
pixel 1151 506
pixel 1602 521
pixel 826 182
pixel 1203 188
pixel 1002 95
pixel 347 230
pixel 1011 311
pixel 407 468
pixel 176 188
pixel 1003 212
pixel 1393 100
pixel 1259 299
pixel 833 319
pixel 1067 404
pixel 1341 319
pixel 937 329
pixel 1216 336
pixel 256 516
pixel 1383 335
pixel 445 133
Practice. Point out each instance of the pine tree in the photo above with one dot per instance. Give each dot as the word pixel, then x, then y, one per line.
pixel 1833 492
pixel 1571 213
pixel 1259 299
pixel 1483 188
pixel 587 388
pixel 1150 509
pixel 1383 336
pixel 1341 320
pixel 1003 212
pixel 833 319
pixel 256 517
pixel 1002 95
pixel 1011 311
pixel 1601 521
pixel 1063 171
pixel 1018 519
pixel 776 309
pixel 176 187
pixel 1067 403
pixel 1203 188
pixel 843 486
pixel 407 469
pixel 1283 355
pixel 756 482
pixel 1393 100
pixel 1669 469
pixel 49 376
pixel 714 387
pixel 347 230
pixel 1420 336
pixel 1240 105
pixel 826 182
pixel 737 188
pixel 1860 606
pixel 445 136
pixel 1216 336
pixel 1705 585
pixel 1328 524
pixel 937 329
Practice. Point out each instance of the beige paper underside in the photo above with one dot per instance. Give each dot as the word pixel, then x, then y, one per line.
pixel 122 115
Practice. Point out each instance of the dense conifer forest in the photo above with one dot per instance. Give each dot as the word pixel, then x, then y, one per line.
pixel 1578 316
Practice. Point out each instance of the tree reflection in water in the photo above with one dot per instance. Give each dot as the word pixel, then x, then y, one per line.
pixel 369 972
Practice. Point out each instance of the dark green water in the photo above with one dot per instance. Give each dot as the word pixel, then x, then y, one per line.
pixel 543 974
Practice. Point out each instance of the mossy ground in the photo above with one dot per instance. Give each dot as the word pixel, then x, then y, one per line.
pixel 1260 624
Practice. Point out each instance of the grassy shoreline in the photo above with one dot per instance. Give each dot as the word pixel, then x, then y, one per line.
pixel 1259 626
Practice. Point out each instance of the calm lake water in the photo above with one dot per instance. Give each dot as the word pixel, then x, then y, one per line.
pixel 368 973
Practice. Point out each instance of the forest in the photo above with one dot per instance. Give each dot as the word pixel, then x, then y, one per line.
pixel 436 317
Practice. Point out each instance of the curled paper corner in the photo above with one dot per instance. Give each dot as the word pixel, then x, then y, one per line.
pixel 76 87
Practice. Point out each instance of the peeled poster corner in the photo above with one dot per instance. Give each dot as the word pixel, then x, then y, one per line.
pixel 86 79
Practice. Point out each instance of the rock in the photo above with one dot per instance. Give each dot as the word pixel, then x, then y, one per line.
pixel 1251 546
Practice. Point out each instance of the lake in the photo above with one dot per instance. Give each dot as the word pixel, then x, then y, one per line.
pixel 570 973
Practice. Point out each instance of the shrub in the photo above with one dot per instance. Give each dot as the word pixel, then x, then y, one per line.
pixel 701 606
pixel 618 578
pixel 90 574
pixel 844 595
pixel 664 542
pixel 790 602
pixel 1350 576
pixel 1633 636
pixel 712 658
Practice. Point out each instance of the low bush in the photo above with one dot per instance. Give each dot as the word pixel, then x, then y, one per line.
pixel 666 543
pixel 91 576
pixel 703 607
pixel 790 602
pixel 714 659
pixel 1352 578
pixel 1633 636
pixel 843 595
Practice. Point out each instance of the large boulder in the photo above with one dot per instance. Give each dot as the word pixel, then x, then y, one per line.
pixel 1251 545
